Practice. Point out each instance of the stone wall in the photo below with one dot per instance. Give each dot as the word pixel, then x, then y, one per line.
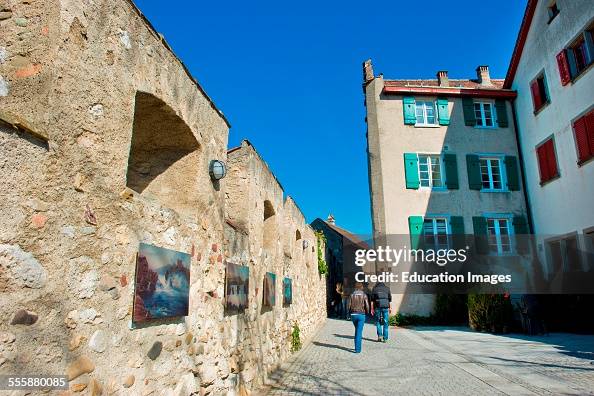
pixel 291 253
pixel 105 143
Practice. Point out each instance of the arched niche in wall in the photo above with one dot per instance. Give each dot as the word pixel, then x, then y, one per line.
pixel 269 234
pixel 164 155
pixel 297 235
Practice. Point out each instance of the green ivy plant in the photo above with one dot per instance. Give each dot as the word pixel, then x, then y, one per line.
pixel 295 338
pixel 322 266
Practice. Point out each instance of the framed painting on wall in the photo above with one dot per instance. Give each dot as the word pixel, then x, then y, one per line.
pixel 287 291
pixel 237 286
pixel 269 290
pixel 161 284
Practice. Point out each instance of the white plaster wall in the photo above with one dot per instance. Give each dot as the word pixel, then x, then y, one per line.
pixel 563 205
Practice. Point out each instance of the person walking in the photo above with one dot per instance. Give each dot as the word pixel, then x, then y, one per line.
pixel 381 297
pixel 358 307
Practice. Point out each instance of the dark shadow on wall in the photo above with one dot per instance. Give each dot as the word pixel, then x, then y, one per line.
pixel 164 154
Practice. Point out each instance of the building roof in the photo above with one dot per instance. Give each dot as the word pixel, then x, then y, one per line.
pixel 497 83
pixel 461 87
pixel 352 238
pixel 520 42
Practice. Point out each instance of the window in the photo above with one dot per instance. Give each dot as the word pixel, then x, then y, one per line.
pixel 483 113
pixel 577 57
pixel 491 176
pixel 547 161
pixel 498 232
pixel 584 137
pixel 430 171
pixel 540 93
pixel 580 54
pixel 425 113
pixel 553 11
pixel 435 232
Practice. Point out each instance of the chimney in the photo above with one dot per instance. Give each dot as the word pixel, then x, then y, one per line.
pixel 330 219
pixel 442 78
pixel 367 71
pixel 482 75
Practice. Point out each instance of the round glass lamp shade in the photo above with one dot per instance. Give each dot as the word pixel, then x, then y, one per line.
pixel 217 169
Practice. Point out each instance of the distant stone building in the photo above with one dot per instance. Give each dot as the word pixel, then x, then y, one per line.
pixel 340 255
pixel 551 70
pixel 106 141
pixel 443 160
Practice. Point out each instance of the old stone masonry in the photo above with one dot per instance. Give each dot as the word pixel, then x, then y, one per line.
pixel 107 144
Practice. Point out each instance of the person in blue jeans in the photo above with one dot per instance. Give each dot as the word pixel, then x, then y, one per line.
pixel 358 307
pixel 381 297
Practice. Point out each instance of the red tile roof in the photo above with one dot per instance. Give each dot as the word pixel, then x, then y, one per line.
pixel 497 83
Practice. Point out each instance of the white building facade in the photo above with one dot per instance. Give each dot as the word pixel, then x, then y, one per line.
pixel 553 74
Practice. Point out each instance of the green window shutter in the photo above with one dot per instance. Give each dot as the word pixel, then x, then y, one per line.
pixel 415 227
pixel 474 172
pixel 468 108
pixel 451 171
pixel 457 227
pixel 501 110
pixel 457 224
pixel 443 112
pixel 479 224
pixel 411 170
pixel 511 171
pixel 408 105
pixel 521 234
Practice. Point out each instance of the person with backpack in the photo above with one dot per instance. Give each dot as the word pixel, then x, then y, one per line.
pixel 358 307
pixel 381 297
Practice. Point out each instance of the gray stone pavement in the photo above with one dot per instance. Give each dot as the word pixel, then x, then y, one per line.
pixel 437 361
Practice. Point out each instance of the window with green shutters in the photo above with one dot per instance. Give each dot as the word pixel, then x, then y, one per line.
pixel 408 106
pixel 493 173
pixel 468 108
pixel 443 111
pixel 457 230
pixel 512 173
pixel 521 232
pixel 451 171
pixel 479 225
pixel 474 172
pixel 501 111
pixel 415 227
pixel 431 170
pixel 411 170
pixel 482 113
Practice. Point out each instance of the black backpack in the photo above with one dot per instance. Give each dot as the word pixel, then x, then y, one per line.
pixel 382 297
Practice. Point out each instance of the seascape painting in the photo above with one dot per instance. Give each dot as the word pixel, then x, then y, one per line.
pixel 269 290
pixel 162 283
pixel 237 286
pixel 287 291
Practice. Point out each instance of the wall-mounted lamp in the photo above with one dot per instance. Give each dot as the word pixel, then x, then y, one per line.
pixel 305 243
pixel 217 169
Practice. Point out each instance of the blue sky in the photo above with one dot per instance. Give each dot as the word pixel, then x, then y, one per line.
pixel 288 76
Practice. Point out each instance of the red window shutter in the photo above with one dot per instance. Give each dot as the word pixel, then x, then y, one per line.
pixel 542 163
pixel 581 139
pixel 590 131
pixel 563 68
pixel 536 99
pixel 551 159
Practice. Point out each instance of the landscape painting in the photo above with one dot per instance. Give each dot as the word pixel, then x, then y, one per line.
pixel 162 283
pixel 287 291
pixel 269 289
pixel 237 286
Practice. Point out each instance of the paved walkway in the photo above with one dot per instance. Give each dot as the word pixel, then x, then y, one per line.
pixel 438 361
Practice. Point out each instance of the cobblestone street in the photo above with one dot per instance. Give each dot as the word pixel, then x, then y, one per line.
pixel 438 361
